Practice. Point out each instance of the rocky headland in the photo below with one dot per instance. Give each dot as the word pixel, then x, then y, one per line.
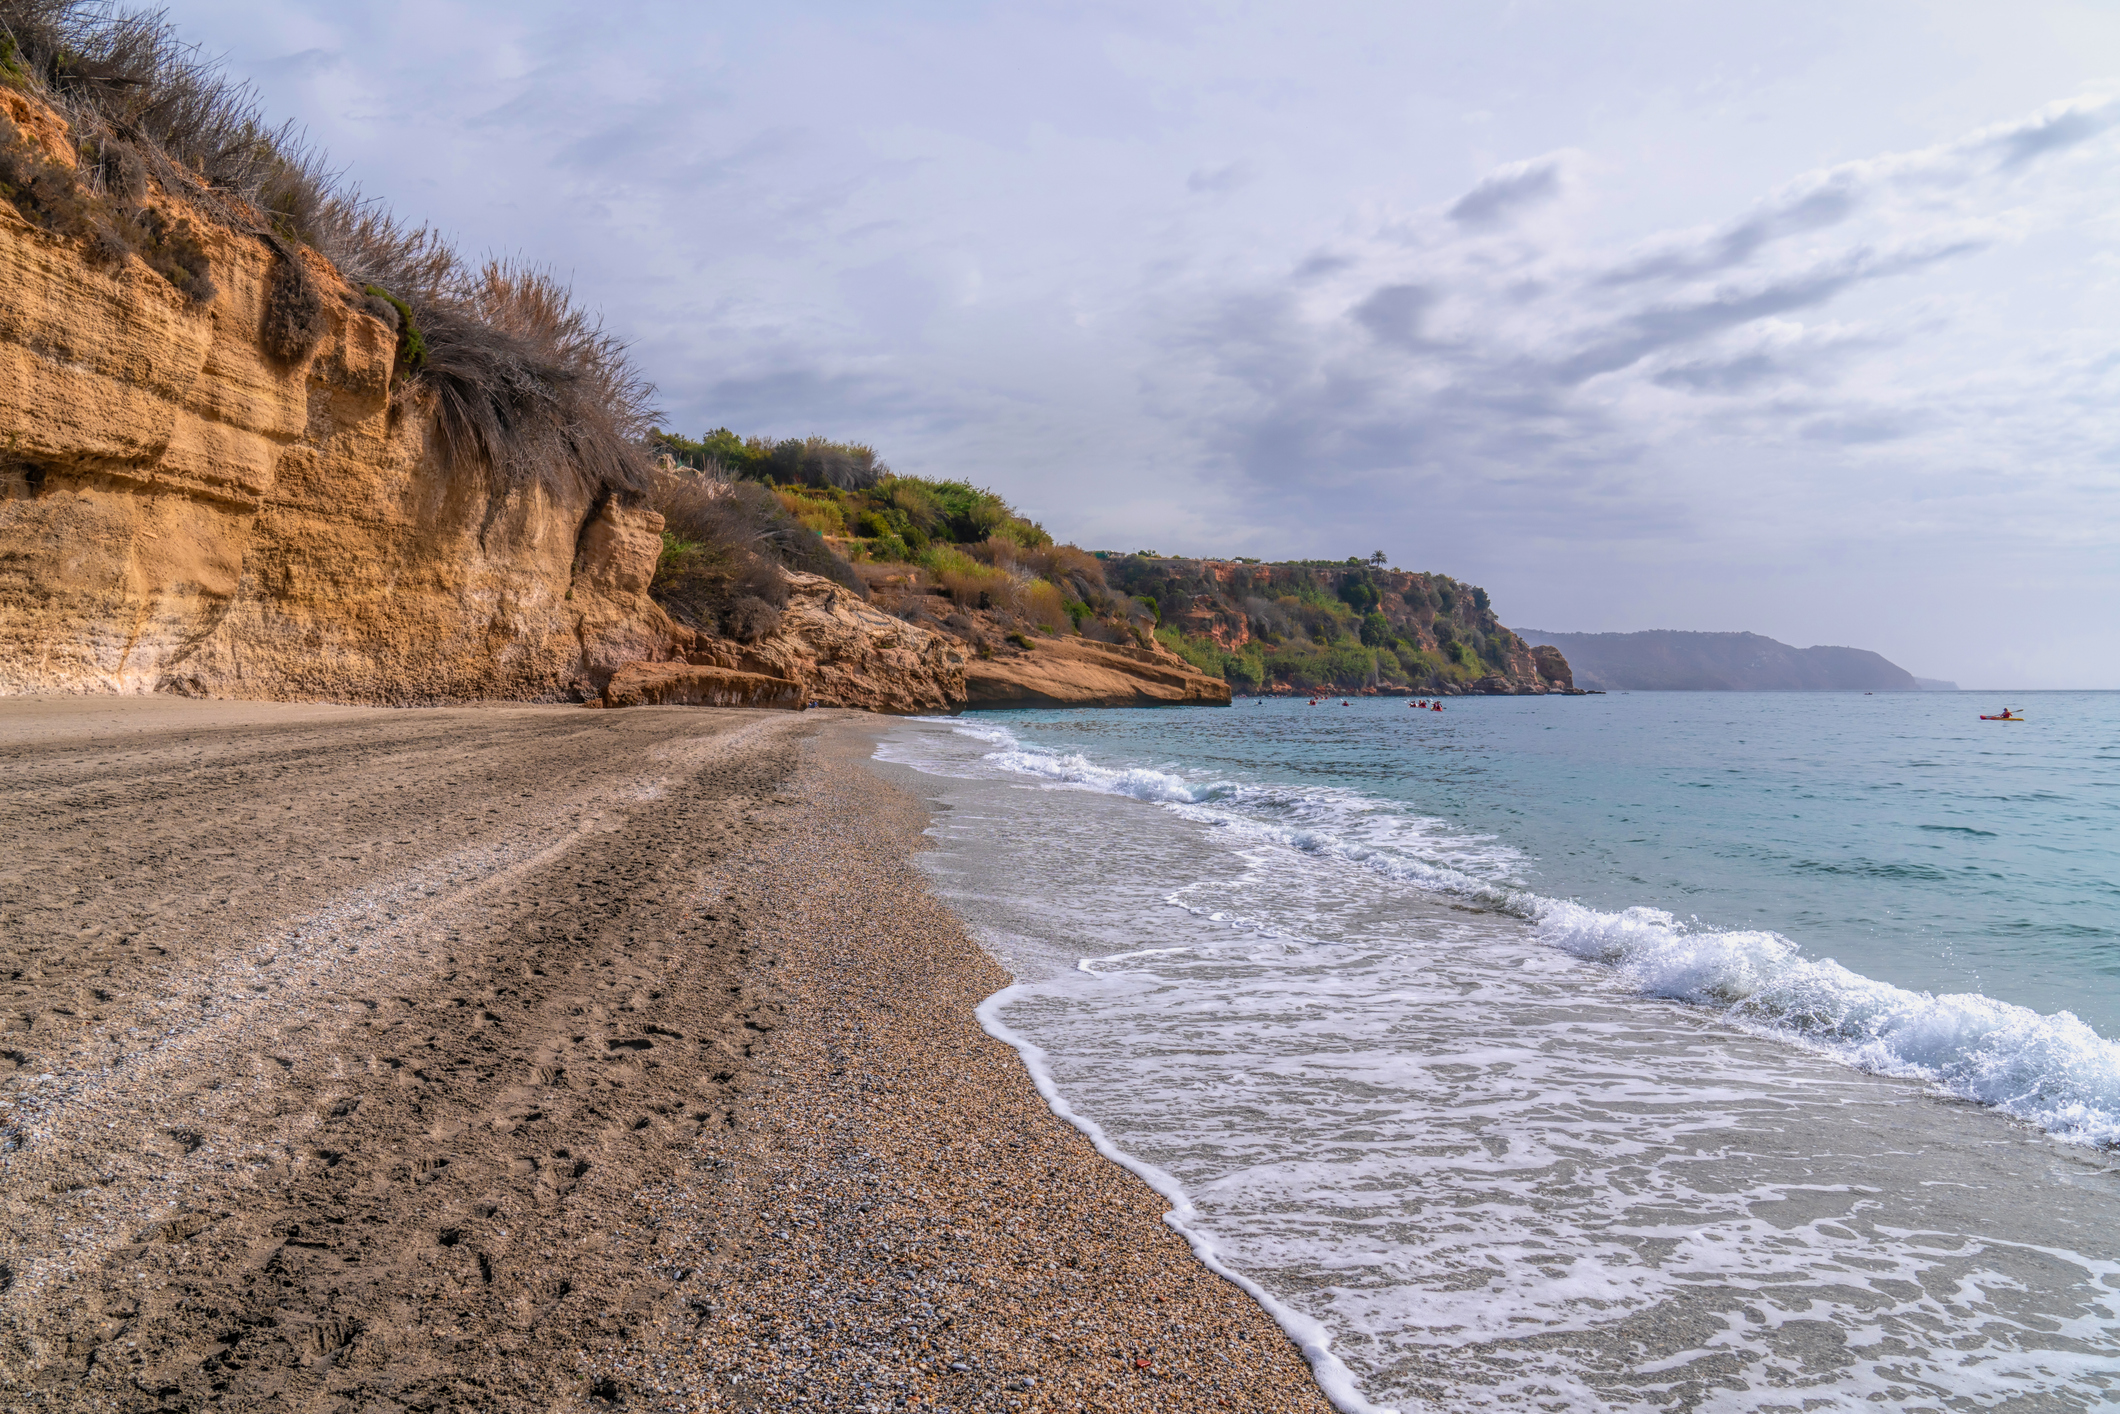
pixel 1665 660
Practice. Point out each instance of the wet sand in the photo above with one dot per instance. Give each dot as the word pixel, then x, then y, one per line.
pixel 536 1058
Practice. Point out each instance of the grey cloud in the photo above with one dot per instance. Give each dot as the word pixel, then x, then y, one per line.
pixel 1498 442
pixel 1645 333
pixel 1394 313
pixel 1813 210
pixel 2055 131
pixel 1811 360
pixel 1502 193
pixel 1322 263
pixel 1735 375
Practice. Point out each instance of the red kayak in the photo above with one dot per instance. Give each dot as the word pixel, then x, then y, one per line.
pixel 2006 716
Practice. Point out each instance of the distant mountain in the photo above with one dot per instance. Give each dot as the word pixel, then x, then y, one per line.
pixel 1935 685
pixel 1668 660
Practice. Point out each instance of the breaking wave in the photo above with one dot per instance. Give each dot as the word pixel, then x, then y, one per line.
pixel 2051 1070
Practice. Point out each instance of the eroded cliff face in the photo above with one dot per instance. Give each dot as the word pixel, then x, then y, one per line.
pixel 846 653
pixel 180 511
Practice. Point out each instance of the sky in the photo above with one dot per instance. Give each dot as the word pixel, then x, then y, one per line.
pixel 1798 318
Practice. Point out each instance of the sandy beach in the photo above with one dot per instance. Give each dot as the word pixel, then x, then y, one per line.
pixel 536 1058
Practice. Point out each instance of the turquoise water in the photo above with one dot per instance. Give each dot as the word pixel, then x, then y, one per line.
pixel 1896 834
pixel 1674 1051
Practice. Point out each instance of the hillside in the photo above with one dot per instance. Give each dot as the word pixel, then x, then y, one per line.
pixel 1666 660
pixel 1343 627
pixel 958 560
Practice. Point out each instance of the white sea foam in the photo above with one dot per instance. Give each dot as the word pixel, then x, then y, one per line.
pixel 2050 1070
pixel 1310 1335
pixel 2053 1071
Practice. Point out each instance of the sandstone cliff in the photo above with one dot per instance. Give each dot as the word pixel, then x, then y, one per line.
pixel 181 511
pixel 193 502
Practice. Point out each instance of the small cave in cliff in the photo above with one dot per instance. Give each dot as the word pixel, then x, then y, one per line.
pixel 23 480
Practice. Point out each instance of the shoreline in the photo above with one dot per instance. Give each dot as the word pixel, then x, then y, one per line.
pixel 526 1057
pixel 980 1252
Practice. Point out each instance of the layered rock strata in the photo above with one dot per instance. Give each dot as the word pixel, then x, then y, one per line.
pixel 1075 672
pixel 181 511
pixel 846 653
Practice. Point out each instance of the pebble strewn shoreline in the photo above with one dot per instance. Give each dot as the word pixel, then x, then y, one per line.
pixel 897 1220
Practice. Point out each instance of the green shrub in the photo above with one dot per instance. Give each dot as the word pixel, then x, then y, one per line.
pixel 724 541
pixel 720 449
pixel 820 510
pixel 1376 630
pixel 412 344
pixel 1042 601
pixel 816 461
pixel 1360 593
pixel 1343 665
pixel 1246 670
pixel 969 514
pixel 971 584
pixel 1026 533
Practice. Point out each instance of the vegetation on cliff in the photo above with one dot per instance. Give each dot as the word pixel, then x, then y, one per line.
pixel 1325 626
pixel 909 539
pixel 953 556
pixel 524 385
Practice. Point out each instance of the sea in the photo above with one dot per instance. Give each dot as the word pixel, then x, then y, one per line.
pixel 1671 1051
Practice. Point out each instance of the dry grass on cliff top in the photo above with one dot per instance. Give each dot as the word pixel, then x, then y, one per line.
pixel 526 386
